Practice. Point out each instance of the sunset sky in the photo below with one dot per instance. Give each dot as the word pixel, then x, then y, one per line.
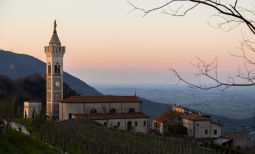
pixel 106 43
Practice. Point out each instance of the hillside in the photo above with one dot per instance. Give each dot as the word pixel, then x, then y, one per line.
pixel 31 87
pixel 20 65
pixel 153 108
pixel 93 139
pixel 15 142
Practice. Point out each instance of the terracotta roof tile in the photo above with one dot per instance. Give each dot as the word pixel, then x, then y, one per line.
pixel 196 117
pixel 102 99
pixel 167 116
pixel 106 116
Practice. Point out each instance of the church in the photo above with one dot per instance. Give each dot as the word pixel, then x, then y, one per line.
pixel 123 112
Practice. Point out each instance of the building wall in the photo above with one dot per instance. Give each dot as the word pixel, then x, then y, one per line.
pixel 162 128
pixel 202 129
pixel 198 129
pixel 190 126
pixel 157 126
pixel 54 91
pixel 217 128
pixel 116 106
pixel 29 107
pixel 127 106
pixel 178 109
pixel 66 108
pixel 142 124
pixel 85 108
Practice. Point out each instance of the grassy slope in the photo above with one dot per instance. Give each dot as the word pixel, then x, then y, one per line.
pixel 15 142
pixel 97 137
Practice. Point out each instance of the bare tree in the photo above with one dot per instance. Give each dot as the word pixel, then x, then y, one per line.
pixel 231 15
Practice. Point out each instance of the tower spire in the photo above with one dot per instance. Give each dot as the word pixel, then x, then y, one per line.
pixel 55 26
pixel 54 38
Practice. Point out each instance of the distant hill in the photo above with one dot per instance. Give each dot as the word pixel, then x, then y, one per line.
pixel 153 108
pixel 20 65
pixel 235 125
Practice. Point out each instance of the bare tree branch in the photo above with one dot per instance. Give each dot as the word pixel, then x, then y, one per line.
pixel 231 15
pixel 229 10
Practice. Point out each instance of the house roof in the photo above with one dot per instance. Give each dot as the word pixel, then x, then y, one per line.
pixel 216 123
pixel 167 116
pixel 196 117
pixel 106 116
pixel 102 99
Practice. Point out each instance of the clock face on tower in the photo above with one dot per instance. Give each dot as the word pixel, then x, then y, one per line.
pixel 57 84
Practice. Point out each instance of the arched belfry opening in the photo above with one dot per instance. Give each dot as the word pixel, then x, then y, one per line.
pixel 49 68
pixel 57 68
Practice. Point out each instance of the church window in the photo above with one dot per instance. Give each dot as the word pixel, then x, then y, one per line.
pixel 57 68
pixel 93 111
pixel 206 131
pixel 215 132
pixel 144 123
pixel 131 110
pixel 112 110
pixel 49 69
pixel 135 123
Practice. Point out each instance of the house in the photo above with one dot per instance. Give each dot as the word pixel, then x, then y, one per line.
pixel 200 127
pixel 123 112
pixel 32 109
pixel 162 123
pixel 197 125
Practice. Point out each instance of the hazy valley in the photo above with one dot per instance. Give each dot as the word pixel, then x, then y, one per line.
pixel 236 103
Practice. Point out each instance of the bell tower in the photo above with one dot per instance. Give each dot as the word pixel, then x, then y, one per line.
pixel 54 75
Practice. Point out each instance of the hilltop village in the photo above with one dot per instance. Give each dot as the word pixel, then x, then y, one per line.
pixel 123 113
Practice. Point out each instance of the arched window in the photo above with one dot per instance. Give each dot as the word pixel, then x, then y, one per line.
pixel 129 125
pixel 49 69
pixel 131 110
pixel 112 110
pixel 93 111
pixel 57 68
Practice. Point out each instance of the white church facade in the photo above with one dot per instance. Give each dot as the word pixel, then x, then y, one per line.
pixel 123 112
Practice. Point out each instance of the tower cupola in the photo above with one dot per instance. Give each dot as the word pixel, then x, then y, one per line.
pixel 54 38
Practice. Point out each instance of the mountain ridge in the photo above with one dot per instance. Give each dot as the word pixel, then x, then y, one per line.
pixel 17 65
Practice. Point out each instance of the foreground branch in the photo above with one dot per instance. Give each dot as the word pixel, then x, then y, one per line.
pixel 230 10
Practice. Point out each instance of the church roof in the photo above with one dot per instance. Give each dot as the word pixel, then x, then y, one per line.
pixel 102 99
pixel 54 38
pixel 106 116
